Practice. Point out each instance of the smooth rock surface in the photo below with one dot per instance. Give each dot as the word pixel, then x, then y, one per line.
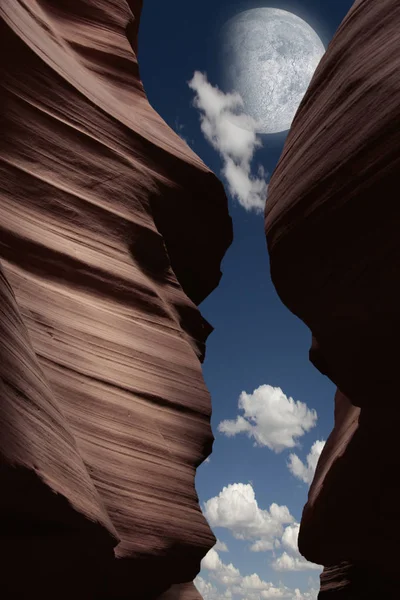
pixel 332 225
pixel 111 232
pixel 183 591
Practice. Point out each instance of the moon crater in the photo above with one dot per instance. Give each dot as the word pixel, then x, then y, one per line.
pixel 269 56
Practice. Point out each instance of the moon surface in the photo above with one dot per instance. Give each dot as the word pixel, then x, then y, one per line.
pixel 269 56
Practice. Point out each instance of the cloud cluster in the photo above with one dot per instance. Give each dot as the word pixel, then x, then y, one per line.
pixel 233 134
pixel 291 559
pixel 209 591
pixel 303 471
pixel 248 587
pixel 236 508
pixel 270 418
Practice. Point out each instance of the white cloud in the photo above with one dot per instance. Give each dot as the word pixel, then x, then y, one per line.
pixel 233 134
pixel 303 471
pixel 263 545
pixel 223 573
pixel 291 560
pixel 285 562
pixel 221 546
pixel 211 561
pixel 236 508
pixel 209 591
pixel 290 537
pixel 235 585
pixel 311 594
pixel 271 418
pixel 250 586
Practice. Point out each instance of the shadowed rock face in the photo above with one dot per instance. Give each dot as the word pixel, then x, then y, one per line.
pixel 111 232
pixel 332 225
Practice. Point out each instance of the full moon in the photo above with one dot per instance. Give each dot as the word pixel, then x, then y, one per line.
pixel 269 56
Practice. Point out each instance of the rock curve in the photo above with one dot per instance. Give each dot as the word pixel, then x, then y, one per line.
pixel 332 219
pixel 111 232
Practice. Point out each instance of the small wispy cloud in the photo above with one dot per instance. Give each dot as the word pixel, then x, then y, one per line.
pixel 305 471
pixel 221 546
pixel 233 134
pixel 180 130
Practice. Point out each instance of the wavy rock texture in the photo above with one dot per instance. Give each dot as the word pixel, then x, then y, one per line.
pixel 111 232
pixel 332 223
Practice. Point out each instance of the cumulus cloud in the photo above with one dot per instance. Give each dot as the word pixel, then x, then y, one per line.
pixel 209 591
pixel 250 586
pixel 270 418
pixel 233 134
pixel 291 559
pixel 285 562
pixel 236 508
pixel 290 537
pixel 305 471
pixel 221 546
pixel 226 574
pixel 211 561
pixel 235 585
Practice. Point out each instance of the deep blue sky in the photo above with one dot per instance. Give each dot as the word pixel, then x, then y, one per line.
pixel 256 339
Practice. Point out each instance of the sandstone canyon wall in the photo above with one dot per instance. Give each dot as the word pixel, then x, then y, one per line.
pixel 332 225
pixel 111 232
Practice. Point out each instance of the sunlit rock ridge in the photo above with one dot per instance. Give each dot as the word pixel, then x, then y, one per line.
pixel 111 232
pixel 332 225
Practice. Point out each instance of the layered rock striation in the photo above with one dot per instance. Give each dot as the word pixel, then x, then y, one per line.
pixel 332 224
pixel 111 233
